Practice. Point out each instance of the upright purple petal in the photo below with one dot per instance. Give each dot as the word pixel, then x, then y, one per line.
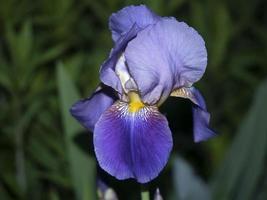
pixel 201 116
pixel 107 72
pixel 122 21
pixel 166 55
pixel 87 111
pixel 132 145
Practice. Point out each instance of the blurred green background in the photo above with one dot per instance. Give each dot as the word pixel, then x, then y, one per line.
pixel 50 54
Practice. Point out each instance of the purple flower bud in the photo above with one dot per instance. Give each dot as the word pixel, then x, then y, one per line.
pixel 157 195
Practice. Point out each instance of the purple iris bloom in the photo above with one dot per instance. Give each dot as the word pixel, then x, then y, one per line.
pixel 153 58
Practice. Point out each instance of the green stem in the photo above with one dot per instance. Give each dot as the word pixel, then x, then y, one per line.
pixel 19 148
pixel 20 162
pixel 145 195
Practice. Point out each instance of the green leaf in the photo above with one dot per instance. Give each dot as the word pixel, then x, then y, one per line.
pixel 220 33
pixel 43 152
pixel 20 43
pixel 5 81
pixel 188 186
pixel 82 165
pixel 53 195
pixel 56 178
pixel 240 176
pixel 10 181
pixel 174 5
pixel 198 17
pixel 49 54
pixel 4 194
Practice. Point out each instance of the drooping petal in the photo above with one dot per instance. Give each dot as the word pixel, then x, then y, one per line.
pixel 87 111
pixel 107 72
pixel 125 24
pixel 201 116
pixel 166 55
pixel 132 144
pixel 122 21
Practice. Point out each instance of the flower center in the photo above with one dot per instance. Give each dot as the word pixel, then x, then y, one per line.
pixel 135 103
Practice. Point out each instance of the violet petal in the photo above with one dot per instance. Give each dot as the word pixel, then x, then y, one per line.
pixel 87 111
pixel 132 145
pixel 123 20
pixel 164 56
pixel 201 117
pixel 107 72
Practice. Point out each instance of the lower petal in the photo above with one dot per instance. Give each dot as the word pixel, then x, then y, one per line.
pixel 201 116
pixel 132 144
pixel 87 111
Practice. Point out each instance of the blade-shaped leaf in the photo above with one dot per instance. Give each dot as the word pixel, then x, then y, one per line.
pixel 21 43
pixel 241 173
pixel 82 165
pixel 188 186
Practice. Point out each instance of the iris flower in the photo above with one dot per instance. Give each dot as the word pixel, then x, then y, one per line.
pixel 153 58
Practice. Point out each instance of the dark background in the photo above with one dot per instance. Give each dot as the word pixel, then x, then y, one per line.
pixel 51 51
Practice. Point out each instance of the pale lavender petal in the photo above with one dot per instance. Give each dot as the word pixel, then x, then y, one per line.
pixel 164 56
pixel 157 195
pixel 107 72
pixel 123 20
pixel 87 111
pixel 104 192
pixel 201 116
pixel 132 145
